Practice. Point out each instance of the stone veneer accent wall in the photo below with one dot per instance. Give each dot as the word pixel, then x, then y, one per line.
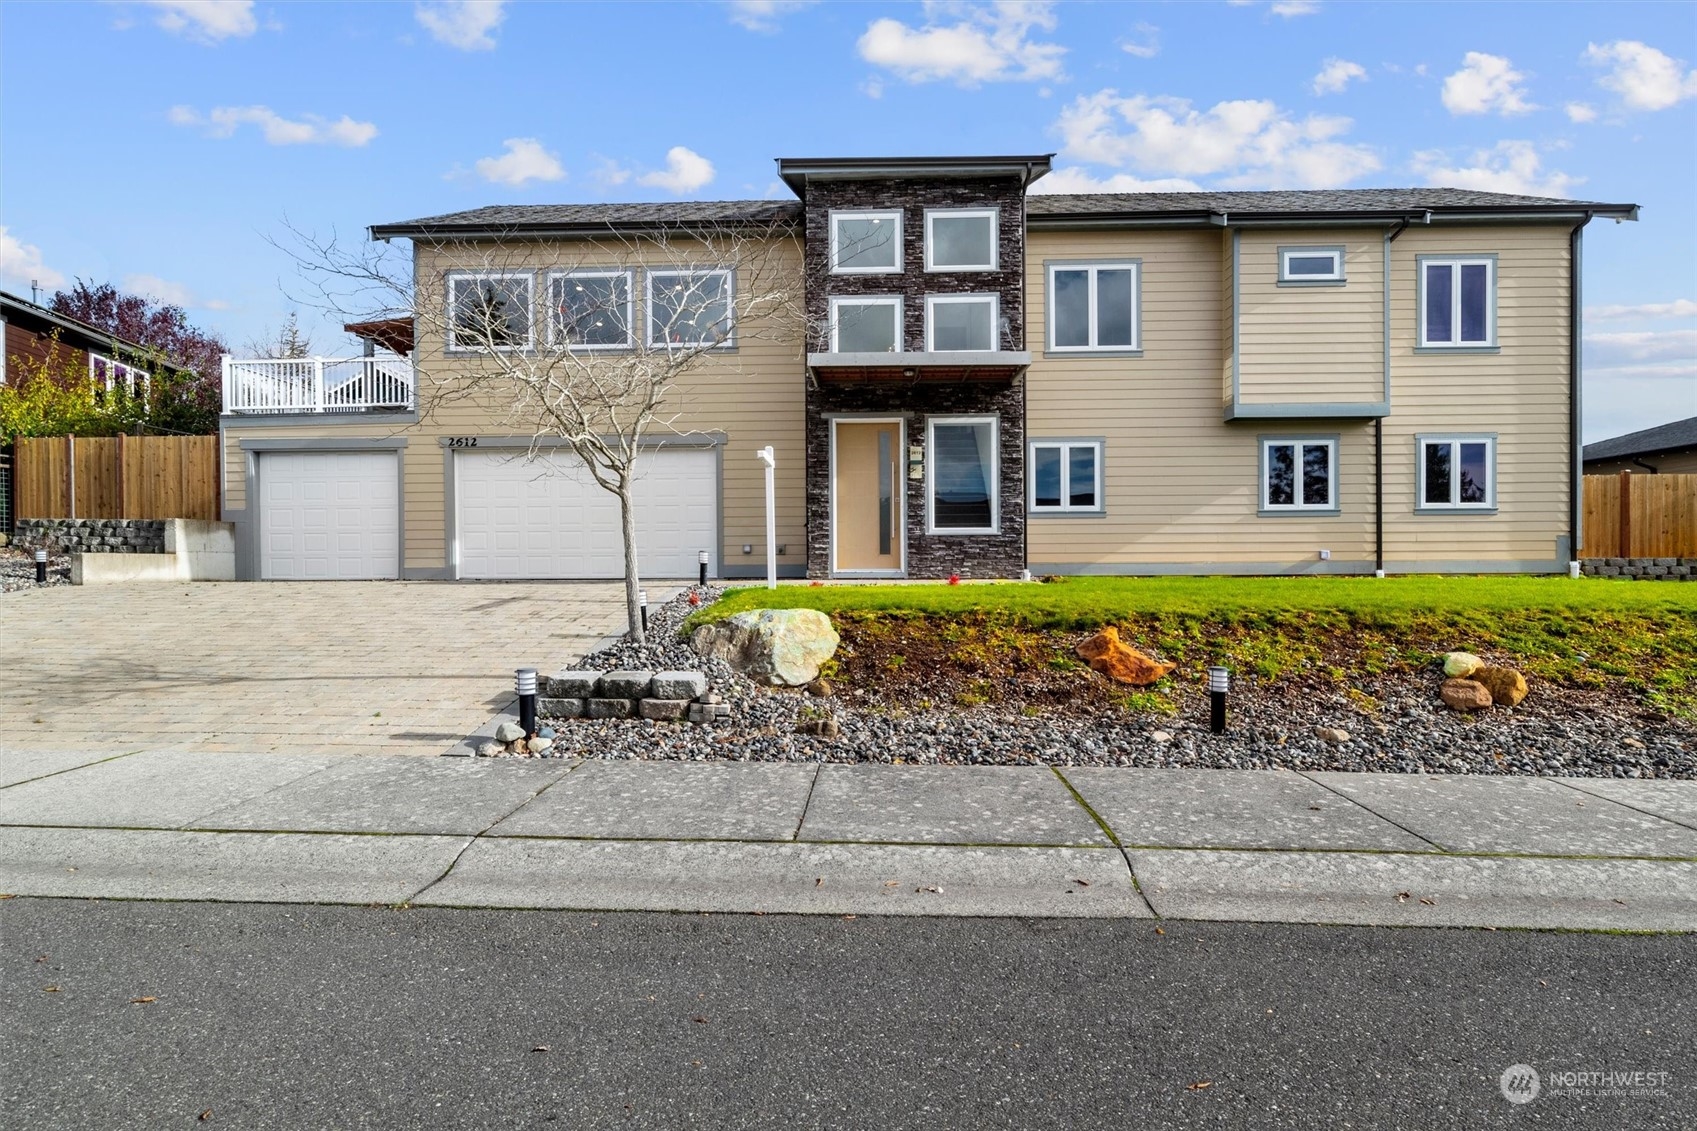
pixel 91 535
pixel 1641 569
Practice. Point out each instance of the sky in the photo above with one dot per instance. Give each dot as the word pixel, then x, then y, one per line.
pixel 168 146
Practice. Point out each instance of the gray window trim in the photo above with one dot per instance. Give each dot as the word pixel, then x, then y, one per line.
pixel 729 345
pixel 995 215
pixel 1100 510
pixel 629 274
pixel 1111 262
pixel 831 241
pixel 1261 506
pixel 448 345
pixel 992 297
pixel 895 300
pixel 1317 249
pixel 995 422
pixel 235 421
pixel 1421 345
pixel 1421 506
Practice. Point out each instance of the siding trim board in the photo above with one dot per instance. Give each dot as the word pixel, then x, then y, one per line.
pixel 1299 410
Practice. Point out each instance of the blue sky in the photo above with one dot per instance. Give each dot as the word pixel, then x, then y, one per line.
pixel 159 145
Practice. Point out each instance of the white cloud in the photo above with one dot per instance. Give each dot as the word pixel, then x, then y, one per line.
pixel 309 129
pixel 1147 46
pixel 1580 112
pixel 1678 308
pixel 1075 180
pixel 1645 78
pixel 524 160
pixel 464 24
pixel 1289 8
pixel 608 173
pixel 984 44
pixel 159 290
pixel 1509 166
pixel 1337 74
pixel 1249 142
pixel 685 171
pixel 205 21
pixel 1486 84
pixel 765 15
pixel 21 263
pixel 1642 346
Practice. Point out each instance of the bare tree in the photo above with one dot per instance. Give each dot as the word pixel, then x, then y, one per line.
pixel 288 341
pixel 591 342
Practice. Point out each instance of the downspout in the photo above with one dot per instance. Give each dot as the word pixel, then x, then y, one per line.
pixel 1645 466
pixel 1575 394
pixel 1379 421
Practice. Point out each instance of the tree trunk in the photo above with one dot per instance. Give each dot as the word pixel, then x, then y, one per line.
pixel 633 573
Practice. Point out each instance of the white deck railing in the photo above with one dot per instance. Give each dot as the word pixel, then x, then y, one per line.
pixel 317 384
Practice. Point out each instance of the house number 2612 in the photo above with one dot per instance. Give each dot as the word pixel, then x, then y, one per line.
pixel 462 441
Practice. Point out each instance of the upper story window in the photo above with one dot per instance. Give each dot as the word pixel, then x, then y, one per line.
pixel 866 243
pixel 1458 472
pixel 1093 306
pixel 961 322
pixel 489 310
pixel 1458 301
pixel 960 239
pixel 866 324
pixel 1311 265
pixel 690 308
pixel 1299 475
pixel 108 374
pixel 592 309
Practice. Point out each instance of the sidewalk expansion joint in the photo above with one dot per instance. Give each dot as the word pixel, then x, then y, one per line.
pixel 818 768
pixel 69 769
pixel 1107 831
pixel 1309 775
pixel 1568 782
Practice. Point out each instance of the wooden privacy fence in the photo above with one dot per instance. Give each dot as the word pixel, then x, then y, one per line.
pixel 117 477
pixel 1640 516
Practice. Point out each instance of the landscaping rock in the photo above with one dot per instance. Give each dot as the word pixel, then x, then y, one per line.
pixel 702 713
pixel 623 685
pixel 678 685
pixel 539 745
pixel 1461 665
pixel 490 749
pixel 1507 686
pixel 607 708
pixel 1464 695
pixel 1161 736
pixel 821 688
pixel 570 685
pixel 821 728
pixel 1332 734
pixel 561 708
pixel 508 732
pixel 545 732
pixel 1119 661
pixel 664 710
pixel 782 647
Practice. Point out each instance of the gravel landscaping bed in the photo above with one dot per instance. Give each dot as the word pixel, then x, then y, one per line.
pixel 17 570
pixel 1570 734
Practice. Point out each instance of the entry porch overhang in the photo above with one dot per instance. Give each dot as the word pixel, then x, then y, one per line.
pixel 987 366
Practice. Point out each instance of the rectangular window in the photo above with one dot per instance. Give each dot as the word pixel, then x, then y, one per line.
pixel 1093 306
pixel 960 239
pixel 1458 305
pixel 866 324
pixel 962 464
pixel 960 322
pixel 489 311
pixel 592 310
pixel 690 309
pixel 1458 472
pixel 1299 475
pixel 1066 476
pixel 1311 265
pixel 866 243
pixel 107 374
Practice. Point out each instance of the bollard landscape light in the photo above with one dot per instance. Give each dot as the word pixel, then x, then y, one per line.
pixel 41 567
pixel 702 559
pixel 524 679
pixel 642 600
pixel 1219 682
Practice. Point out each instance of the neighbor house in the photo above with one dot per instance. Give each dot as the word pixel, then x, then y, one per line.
pixel 1666 449
pixel 976 380
pixel 35 336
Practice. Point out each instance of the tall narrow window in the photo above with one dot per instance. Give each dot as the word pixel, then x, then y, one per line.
pixel 1458 472
pixel 591 309
pixel 1458 302
pixel 1298 475
pixel 1066 475
pixel 960 239
pixel 960 322
pixel 1093 306
pixel 866 243
pixel 961 453
pixel 489 311
pixel 866 324
pixel 690 309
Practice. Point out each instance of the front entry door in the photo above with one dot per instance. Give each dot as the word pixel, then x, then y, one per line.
pixel 868 535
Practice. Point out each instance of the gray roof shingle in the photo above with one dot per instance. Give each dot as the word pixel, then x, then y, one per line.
pixel 1298 200
pixel 570 217
pixel 1662 438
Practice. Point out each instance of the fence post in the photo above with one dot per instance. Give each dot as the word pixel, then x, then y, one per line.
pixel 71 474
pixel 1625 513
pixel 123 497
pixel 318 384
pixel 224 380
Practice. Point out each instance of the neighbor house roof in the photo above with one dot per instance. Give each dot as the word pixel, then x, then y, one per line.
pixel 73 331
pixel 1669 437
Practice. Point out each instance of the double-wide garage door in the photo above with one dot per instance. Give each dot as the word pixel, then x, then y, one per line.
pixel 547 518
pixel 329 516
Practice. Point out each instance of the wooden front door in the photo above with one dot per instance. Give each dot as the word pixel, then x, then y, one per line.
pixel 866 489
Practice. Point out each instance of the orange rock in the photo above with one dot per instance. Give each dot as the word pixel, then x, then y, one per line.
pixel 1119 661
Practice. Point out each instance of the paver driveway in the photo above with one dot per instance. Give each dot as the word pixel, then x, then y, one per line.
pixel 329 667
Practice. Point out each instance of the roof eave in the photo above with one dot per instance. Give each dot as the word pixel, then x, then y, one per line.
pixel 414 230
pixel 1219 218
pixel 797 171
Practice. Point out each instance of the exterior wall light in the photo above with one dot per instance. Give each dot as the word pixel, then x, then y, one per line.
pixel 1219 683
pixel 524 681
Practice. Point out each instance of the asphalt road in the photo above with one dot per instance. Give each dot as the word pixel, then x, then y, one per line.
pixel 343 1017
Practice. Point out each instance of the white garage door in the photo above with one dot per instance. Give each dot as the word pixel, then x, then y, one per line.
pixel 546 518
pixel 328 516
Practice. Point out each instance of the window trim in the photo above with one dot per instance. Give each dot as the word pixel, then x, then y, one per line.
pixel 113 366
pixel 894 214
pixel 868 300
pixel 1421 506
pixel 453 346
pixel 730 341
pixel 1050 266
pixel 995 301
pixel 995 422
pixel 1455 262
pixel 1266 509
pixel 1066 509
pixel 593 273
pixel 1338 277
pixel 995 216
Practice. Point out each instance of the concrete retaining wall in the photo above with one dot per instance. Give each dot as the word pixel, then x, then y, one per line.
pixel 194 550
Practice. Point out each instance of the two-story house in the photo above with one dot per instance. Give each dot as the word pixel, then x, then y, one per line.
pixel 983 381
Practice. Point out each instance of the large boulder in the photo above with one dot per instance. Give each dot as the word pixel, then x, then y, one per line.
pixel 1461 665
pixel 1507 686
pixel 782 647
pixel 1464 695
pixel 1119 661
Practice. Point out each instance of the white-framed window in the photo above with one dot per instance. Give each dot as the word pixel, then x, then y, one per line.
pixel 490 310
pixel 108 374
pixel 592 309
pixel 1311 265
pixel 866 242
pixel 690 307
pixel 866 324
pixel 961 239
pixel 1094 306
pixel 1458 301
pixel 961 323
pixel 961 475
pixel 1066 475
pixel 1457 472
pixel 1299 473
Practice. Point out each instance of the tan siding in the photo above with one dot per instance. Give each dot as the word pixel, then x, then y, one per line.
pixel 1311 344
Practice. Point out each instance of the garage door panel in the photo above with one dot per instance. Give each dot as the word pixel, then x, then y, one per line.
pixel 328 515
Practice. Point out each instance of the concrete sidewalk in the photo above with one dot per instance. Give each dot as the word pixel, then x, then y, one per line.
pixel 732 837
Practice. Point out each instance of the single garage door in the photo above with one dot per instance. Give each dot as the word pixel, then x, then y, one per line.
pixel 328 516
pixel 547 518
